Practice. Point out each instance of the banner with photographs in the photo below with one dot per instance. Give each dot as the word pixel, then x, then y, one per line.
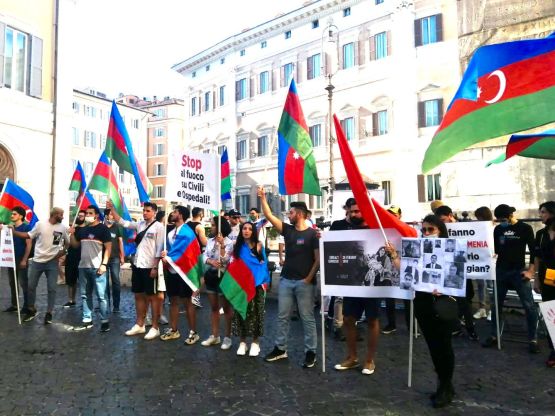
pixel 479 258
pixel 354 263
pixel 430 264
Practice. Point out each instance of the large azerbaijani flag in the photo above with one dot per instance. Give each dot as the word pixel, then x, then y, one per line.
pixel 534 145
pixel 507 88
pixel 225 176
pixel 12 196
pixel 386 220
pixel 79 185
pixel 297 171
pixel 119 148
pixel 185 256
pixel 241 278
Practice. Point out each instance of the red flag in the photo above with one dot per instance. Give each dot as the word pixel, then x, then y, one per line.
pixel 361 194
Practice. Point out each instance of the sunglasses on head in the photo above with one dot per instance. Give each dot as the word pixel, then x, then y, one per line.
pixel 428 230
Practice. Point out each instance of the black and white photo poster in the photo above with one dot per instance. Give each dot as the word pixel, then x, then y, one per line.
pixel 429 264
pixel 354 263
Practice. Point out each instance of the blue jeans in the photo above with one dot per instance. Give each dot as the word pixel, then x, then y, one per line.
pixel 50 270
pixel 289 291
pixel 113 274
pixel 513 279
pixel 88 281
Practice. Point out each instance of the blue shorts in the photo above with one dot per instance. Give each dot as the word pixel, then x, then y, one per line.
pixel 355 306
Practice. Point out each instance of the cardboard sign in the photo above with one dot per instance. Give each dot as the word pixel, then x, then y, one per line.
pixel 194 179
pixel 7 254
pixel 548 312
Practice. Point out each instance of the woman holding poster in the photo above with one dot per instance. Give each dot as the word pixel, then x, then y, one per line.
pixel 436 331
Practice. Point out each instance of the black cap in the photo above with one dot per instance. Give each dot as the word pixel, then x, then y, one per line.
pixel 233 213
pixel 503 211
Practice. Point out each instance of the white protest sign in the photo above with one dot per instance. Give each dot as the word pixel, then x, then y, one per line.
pixel 548 312
pixel 354 263
pixel 435 264
pixel 479 235
pixel 7 255
pixel 194 179
pixel 340 197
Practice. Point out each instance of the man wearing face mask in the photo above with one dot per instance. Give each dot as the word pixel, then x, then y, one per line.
pixel 510 240
pixel 51 240
pixel 71 265
pixel 254 217
pixel 117 258
pixel 95 242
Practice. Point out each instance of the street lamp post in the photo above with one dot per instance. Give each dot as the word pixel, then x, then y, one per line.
pixel 330 42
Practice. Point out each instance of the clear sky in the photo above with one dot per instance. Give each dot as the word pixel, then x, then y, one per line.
pixel 129 46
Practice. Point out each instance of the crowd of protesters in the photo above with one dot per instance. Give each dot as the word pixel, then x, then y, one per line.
pixel 93 253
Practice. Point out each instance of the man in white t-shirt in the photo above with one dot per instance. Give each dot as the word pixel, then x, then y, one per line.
pixel 235 222
pixel 51 241
pixel 144 276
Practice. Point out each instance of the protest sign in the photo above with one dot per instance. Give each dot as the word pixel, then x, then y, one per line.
pixel 354 263
pixel 548 312
pixel 434 264
pixel 7 255
pixel 194 179
pixel 479 258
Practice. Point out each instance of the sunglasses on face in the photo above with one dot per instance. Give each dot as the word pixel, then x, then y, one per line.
pixel 428 230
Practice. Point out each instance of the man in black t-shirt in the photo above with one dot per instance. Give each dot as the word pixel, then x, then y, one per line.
pixel 353 307
pixel 510 240
pixel 96 245
pixel 298 278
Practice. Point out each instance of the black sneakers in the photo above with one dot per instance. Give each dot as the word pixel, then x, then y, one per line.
pixel 309 359
pixel 275 355
pixel 69 304
pixel 104 326
pixel 47 318
pixel 30 316
pixel 389 329
pixel 11 309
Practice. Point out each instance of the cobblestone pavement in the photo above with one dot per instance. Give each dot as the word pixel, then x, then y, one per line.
pixel 49 370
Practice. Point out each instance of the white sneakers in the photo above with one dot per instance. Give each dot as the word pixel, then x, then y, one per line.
pixel 211 340
pixel 480 314
pixel 242 350
pixel 253 351
pixel 152 333
pixel 136 330
pixel 226 344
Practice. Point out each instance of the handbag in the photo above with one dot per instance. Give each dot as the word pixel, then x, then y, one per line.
pixel 549 279
pixel 446 308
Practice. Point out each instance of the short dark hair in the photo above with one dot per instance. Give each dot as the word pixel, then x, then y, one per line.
pixel 435 221
pixel 183 211
pixel 107 211
pixel 81 211
pixel 484 214
pixel 549 206
pixel 20 211
pixel 95 208
pixel 443 210
pixel 503 211
pixel 300 206
pixel 350 202
pixel 255 210
pixel 160 215
pixel 196 211
pixel 151 205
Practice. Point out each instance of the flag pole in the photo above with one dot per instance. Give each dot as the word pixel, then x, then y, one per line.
pixel 4 188
pixel 323 333
pixel 80 201
pixel 377 218
pixel 411 333
pixel 497 314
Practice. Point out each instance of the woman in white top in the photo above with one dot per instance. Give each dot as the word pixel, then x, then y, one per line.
pixel 216 258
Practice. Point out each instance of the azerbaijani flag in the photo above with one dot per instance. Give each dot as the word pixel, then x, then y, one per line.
pixel 104 180
pixel 297 171
pixel 119 148
pixel 185 257
pixel 360 192
pixel 241 278
pixel 534 145
pixel 507 88
pixel 226 179
pixel 12 196
pixel 78 184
